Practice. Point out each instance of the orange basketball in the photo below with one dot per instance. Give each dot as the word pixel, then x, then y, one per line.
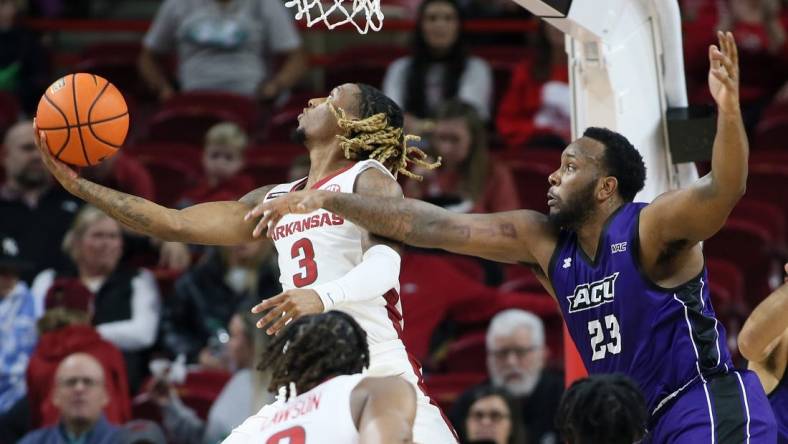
pixel 85 119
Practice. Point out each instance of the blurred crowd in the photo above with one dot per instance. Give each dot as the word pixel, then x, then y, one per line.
pixel 131 338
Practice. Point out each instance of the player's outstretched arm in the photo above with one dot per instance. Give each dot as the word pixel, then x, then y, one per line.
pixel 765 326
pixel 384 410
pixel 214 223
pixel 696 213
pixel 514 236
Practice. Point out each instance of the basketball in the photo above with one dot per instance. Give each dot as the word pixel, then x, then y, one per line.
pixel 85 119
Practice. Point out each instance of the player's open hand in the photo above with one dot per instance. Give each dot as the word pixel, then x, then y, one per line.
pixel 62 172
pixel 724 73
pixel 270 212
pixel 286 307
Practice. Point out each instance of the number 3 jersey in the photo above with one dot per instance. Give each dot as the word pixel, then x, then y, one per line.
pixel 665 339
pixel 321 247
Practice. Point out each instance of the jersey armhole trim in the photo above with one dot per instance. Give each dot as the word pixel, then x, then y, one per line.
pixel 559 245
pixel 635 236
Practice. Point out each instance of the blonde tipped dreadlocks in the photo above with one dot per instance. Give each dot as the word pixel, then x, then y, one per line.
pixel 382 142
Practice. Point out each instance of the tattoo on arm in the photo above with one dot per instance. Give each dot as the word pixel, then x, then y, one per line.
pixel 121 206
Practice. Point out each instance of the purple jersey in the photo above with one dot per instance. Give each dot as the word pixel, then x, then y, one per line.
pixel 665 339
pixel 778 398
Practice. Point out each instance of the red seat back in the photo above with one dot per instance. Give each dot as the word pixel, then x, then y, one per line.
pixel 746 245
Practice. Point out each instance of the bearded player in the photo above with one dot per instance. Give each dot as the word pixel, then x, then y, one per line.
pixel 629 278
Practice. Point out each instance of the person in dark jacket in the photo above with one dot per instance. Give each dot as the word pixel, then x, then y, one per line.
pixel 206 297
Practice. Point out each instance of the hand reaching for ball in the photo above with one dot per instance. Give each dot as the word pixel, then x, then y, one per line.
pixel 62 172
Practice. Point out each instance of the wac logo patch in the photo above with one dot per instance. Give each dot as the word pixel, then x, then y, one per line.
pixel 593 295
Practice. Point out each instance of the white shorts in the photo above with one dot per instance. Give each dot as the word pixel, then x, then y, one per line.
pixel 391 359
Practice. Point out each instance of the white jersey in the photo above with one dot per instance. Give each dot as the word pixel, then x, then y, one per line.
pixel 321 247
pixel 320 415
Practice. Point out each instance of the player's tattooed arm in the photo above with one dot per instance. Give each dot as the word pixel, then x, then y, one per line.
pixel 213 223
pixel 515 236
pixel 375 183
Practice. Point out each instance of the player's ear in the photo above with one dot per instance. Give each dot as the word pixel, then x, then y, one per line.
pixel 607 187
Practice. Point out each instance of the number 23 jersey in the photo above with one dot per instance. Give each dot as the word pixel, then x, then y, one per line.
pixel 664 338
pixel 321 247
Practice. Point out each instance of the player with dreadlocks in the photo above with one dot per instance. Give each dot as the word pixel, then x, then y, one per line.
pixel 602 409
pixel 315 364
pixel 356 145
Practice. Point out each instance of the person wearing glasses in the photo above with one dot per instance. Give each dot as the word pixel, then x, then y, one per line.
pixel 489 418
pixel 80 396
pixel 515 362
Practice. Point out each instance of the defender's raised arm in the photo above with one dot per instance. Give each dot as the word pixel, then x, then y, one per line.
pixel 703 207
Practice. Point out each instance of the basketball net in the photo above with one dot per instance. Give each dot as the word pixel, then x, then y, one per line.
pixel 337 15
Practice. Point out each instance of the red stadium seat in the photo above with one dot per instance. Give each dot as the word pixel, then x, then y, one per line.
pixel 771 132
pixel 532 184
pixel 172 177
pixel 361 64
pixel 188 153
pixel 726 284
pixel 270 163
pixel 467 354
pixel 766 214
pixel 116 62
pixel 769 157
pixel 445 388
pixel 768 183
pixel 267 171
pixel 187 125
pixel 242 109
pixel 747 245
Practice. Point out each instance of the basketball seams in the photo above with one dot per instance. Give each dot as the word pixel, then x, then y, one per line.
pixel 108 119
pixel 65 119
pixel 76 111
pixel 92 147
pixel 96 136
pixel 90 111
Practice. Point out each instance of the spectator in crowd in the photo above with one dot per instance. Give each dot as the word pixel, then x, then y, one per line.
pixel 243 395
pixel 126 300
pixel 17 325
pixel 80 396
pixel 457 297
pixel 23 62
pixel 470 179
pixel 221 45
pixel 206 296
pixel 34 211
pixel 65 329
pixel 222 162
pixel 515 361
pixel 761 37
pixel 535 108
pixel 491 417
pixel 602 409
pixel 438 69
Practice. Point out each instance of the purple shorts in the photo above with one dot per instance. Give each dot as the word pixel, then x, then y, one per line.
pixel 728 409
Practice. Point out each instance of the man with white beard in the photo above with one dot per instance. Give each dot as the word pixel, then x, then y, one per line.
pixel 515 360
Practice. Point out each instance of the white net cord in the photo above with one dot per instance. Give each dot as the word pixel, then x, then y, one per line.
pixel 313 10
